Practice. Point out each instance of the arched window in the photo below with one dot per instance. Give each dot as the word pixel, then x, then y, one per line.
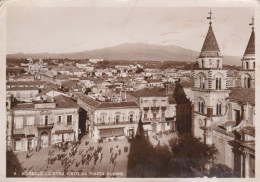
pixel 254 65
pixel 218 83
pixel 202 63
pixel 202 82
pixel 201 106
pixel 246 81
pixel 217 63
pixel 218 109
pixel 247 65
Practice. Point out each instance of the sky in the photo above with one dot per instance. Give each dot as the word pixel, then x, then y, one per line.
pixel 73 29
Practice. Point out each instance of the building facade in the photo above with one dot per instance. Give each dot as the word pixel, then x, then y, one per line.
pixel 110 120
pixel 43 123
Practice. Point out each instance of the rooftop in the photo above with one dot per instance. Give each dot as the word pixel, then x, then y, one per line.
pixel 25 83
pixel 149 92
pixel 64 102
pixel 250 49
pixel 102 105
pixel 242 95
pixel 210 47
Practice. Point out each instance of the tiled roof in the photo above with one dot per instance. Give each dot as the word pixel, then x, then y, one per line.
pixel 242 95
pixel 186 84
pixel 22 88
pixel 25 83
pixel 249 130
pixel 70 83
pixel 49 90
pixel 149 92
pixel 64 102
pixel 118 104
pixel 153 81
pixel 103 105
pixel 88 100
pixel 250 49
pixel 62 77
pixel 223 131
pixel 210 45
pixel 23 106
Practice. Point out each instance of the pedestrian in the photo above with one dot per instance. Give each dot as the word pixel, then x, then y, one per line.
pixel 27 155
pixel 14 168
pixel 111 149
pixel 101 157
pixel 119 151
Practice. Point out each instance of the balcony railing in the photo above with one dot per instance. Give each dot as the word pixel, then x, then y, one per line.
pixel 153 119
pixel 116 123
pixel 45 126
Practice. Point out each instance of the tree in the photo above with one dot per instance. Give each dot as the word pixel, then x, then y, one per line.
pixel 221 171
pixel 189 152
pixel 103 64
pixel 139 70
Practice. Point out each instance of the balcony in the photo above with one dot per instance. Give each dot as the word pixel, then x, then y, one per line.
pixel 163 108
pixel 146 109
pixel 155 108
pixel 45 126
pixel 146 120
pixel 115 123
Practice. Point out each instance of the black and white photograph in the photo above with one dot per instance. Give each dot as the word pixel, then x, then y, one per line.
pixel 126 89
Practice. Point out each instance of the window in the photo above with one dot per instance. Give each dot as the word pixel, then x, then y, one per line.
pixel 58 119
pixel 202 82
pixel 117 118
pixel 201 106
pixel 218 83
pixel 18 122
pixel 168 123
pixel 154 115
pixel 69 119
pixel 218 109
pixel 202 63
pixel 103 119
pixel 217 63
pixel 254 64
pixel 46 118
pixel 131 118
pixel 30 121
pixel 237 116
pixel 247 82
pixel 145 115
pixel 247 65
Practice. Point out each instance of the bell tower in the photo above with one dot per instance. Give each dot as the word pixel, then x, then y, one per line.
pixel 209 87
pixel 247 73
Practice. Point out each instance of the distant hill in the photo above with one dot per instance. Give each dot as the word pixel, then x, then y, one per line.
pixel 131 51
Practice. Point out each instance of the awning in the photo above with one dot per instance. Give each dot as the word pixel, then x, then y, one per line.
pixel 63 131
pixel 18 136
pixel 105 132
pixel 118 131
pixel 147 127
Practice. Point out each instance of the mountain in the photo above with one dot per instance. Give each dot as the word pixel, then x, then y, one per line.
pixel 131 51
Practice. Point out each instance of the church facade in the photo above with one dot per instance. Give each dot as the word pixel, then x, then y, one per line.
pixel 221 115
